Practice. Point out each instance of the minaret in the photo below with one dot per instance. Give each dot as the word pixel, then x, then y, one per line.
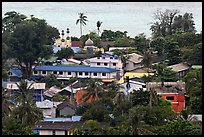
pixel 68 39
pixel 62 34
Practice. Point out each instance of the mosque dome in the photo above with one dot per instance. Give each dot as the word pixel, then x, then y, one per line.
pixel 89 42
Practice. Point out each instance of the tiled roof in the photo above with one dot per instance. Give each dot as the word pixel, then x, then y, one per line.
pixel 76 69
pixel 64 104
pixel 168 87
pixel 136 58
pixel 58 125
pixel 75 44
pixel 179 67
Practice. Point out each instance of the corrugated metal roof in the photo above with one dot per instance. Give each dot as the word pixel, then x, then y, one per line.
pixel 16 71
pixel 75 69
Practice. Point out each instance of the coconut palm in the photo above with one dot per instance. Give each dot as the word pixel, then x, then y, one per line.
pixel 82 20
pixel 98 24
pixel 7 104
pixel 147 62
pixel 120 101
pixel 94 89
pixel 26 109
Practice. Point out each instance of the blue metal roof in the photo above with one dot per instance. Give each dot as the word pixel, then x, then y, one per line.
pixel 76 69
pixel 16 71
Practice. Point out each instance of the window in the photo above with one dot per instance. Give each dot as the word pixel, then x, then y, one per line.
pixel 60 73
pixel 80 73
pixel 95 74
pixel 105 64
pixel 114 64
pixel 44 72
pixel 98 63
pixel 69 73
pixel 10 73
pixel 66 132
pixel 170 98
pixel 53 132
pixel 86 73
pixel 35 72
pixel 55 72
pixel 103 74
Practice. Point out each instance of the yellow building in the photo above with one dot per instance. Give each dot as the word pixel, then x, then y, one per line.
pixel 62 41
pixel 132 75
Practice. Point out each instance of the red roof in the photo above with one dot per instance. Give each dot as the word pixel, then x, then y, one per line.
pixel 76 43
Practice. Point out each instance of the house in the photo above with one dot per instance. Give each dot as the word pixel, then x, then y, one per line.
pixel 57 126
pixel 75 44
pixel 132 75
pixel 181 69
pixel 48 108
pixel 106 44
pixel 172 91
pixel 79 97
pixel 133 62
pixel 65 109
pixel 49 93
pixel 15 74
pixel 110 62
pixel 66 72
pixel 133 85
pixel 37 89
pixel 118 48
pixel 73 62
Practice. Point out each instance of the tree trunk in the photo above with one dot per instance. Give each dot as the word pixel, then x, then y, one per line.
pixel 81 28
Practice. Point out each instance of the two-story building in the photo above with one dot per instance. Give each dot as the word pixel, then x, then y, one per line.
pixel 37 89
pixel 66 72
pixel 110 62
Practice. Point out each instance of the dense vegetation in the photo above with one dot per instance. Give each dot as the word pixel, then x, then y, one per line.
pixel 174 40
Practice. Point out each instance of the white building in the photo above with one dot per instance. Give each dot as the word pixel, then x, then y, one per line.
pixel 66 72
pixel 48 107
pixel 110 62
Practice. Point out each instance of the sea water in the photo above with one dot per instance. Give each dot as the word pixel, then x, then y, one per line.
pixel 133 17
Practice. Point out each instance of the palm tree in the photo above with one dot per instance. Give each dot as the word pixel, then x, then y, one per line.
pixel 119 101
pixel 82 20
pixel 94 89
pixel 147 62
pixel 98 24
pixel 7 104
pixel 26 109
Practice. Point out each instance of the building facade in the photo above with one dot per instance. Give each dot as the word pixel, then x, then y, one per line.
pixel 66 72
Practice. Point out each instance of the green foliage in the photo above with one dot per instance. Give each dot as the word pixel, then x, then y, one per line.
pixel 158 45
pixel 59 98
pixel 96 112
pixel 81 20
pixel 13 126
pixel 159 115
pixel 26 39
pixel 110 35
pixel 140 97
pixel 168 23
pixel 164 74
pixel 173 54
pixel 124 42
pixel 93 36
pixel 141 43
pixel 193 87
pixel 51 80
pixel 179 127
pixel 65 53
